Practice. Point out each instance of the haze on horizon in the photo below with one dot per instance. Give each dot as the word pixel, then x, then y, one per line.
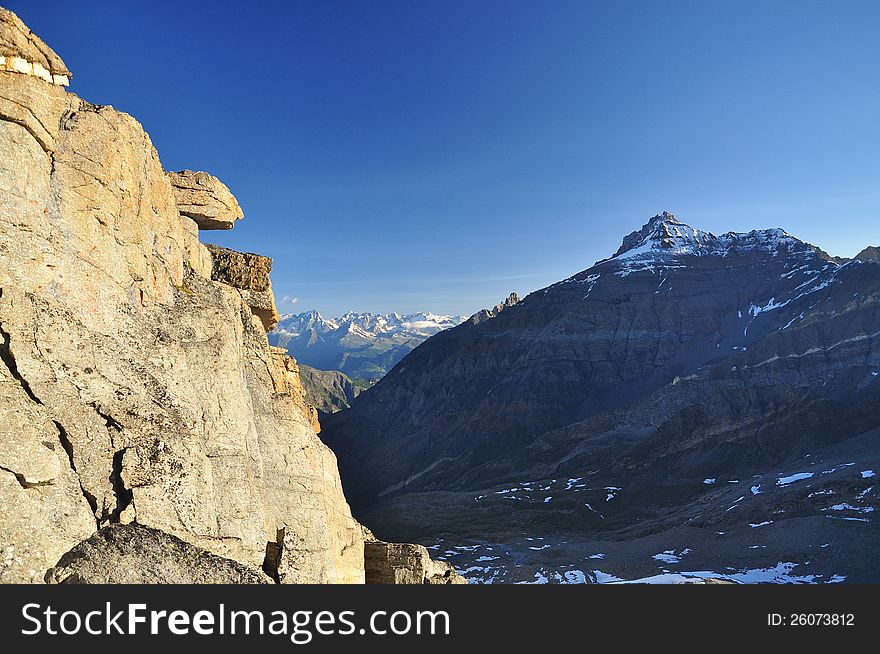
pixel 399 156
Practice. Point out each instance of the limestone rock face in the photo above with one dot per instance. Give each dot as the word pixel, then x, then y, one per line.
pixel 287 378
pixel 197 254
pixel 22 51
pixel 133 554
pixel 33 104
pixel 404 563
pixel 133 387
pixel 249 273
pixel 205 199
pixel 42 508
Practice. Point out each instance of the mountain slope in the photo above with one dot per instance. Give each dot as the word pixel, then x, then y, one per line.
pixel 328 390
pixel 362 345
pixel 870 253
pixel 685 356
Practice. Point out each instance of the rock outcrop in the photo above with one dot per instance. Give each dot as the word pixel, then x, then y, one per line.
pixel 22 51
pixel 249 273
pixel 148 431
pixel 134 554
pixel 485 314
pixel 287 380
pixel 136 385
pixel 404 563
pixel 205 199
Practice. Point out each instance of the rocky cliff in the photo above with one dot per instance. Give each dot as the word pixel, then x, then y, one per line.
pixel 137 384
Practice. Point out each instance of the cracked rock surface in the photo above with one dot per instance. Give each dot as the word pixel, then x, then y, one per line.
pixel 133 387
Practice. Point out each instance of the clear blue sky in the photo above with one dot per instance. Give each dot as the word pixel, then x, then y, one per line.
pixel 438 155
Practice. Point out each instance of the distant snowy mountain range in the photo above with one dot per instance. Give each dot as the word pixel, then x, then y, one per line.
pixel 362 345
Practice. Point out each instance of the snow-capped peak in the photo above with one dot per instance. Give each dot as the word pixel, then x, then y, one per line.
pixel 665 232
pixel 367 325
pixel 664 236
pixel 666 242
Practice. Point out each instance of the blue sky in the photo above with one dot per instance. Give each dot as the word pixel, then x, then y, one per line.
pixel 406 156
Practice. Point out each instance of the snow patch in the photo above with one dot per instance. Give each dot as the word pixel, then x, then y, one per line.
pixel 790 479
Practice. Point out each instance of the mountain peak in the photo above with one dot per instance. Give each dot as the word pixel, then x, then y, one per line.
pixel 664 217
pixel 665 238
pixel 664 231
pixel 870 253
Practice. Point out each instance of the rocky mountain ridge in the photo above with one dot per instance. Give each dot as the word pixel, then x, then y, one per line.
pixel 616 392
pixel 361 345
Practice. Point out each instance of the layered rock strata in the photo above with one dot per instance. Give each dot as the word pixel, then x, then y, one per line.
pixel 205 199
pixel 22 51
pixel 249 273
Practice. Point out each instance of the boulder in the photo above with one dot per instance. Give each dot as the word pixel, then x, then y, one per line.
pixel 205 199
pixel 134 554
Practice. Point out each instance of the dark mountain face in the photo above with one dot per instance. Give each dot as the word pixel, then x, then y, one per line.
pixel 686 356
pixel 870 253
pixel 327 390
